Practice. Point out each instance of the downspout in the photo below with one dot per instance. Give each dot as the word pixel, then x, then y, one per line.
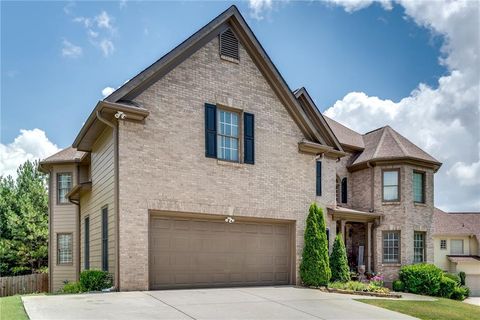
pixel 115 196
pixel 372 186
pixel 50 236
pixel 78 228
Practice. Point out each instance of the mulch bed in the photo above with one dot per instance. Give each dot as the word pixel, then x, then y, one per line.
pixel 362 293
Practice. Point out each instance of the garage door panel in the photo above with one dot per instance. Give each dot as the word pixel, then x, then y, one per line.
pixel 202 253
pixel 472 281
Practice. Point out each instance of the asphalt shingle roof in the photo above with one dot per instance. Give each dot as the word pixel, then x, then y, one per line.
pixel 65 155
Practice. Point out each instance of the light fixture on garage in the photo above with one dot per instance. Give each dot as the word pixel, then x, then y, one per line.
pixel 229 220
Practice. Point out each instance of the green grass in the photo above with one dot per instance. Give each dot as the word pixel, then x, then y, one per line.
pixel 429 310
pixel 11 308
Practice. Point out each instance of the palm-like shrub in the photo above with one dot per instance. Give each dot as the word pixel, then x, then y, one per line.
pixel 315 267
pixel 338 261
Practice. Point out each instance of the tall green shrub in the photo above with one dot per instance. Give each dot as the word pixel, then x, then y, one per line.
pixel 421 278
pixel 338 261
pixel 315 268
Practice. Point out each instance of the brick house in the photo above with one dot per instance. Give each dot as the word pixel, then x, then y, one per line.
pixel 200 170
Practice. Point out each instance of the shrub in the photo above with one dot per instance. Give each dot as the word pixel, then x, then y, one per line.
pixel 462 276
pixel 467 291
pixel 72 287
pixel 398 286
pixel 377 281
pixel 459 293
pixel 338 261
pixel 95 280
pixel 357 286
pixel 421 278
pixel 454 277
pixel 447 285
pixel 315 268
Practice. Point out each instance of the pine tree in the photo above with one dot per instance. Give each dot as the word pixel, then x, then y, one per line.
pixel 338 261
pixel 315 268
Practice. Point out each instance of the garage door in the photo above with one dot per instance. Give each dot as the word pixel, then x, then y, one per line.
pixel 473 282
pixel 188 253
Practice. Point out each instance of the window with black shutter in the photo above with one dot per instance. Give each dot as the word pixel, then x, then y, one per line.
pixel 210 130
pixel 249 152
pixel 319 178
pixel 105 239
pixel 86 244
pixel 344 190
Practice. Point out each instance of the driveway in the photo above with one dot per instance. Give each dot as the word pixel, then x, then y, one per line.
pixel 284 302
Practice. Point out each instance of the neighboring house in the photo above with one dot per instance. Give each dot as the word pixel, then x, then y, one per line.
pixel 200 170
pixel 456 239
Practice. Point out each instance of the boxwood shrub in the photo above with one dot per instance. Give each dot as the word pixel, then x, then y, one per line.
pixel 421 278
pixel 398 286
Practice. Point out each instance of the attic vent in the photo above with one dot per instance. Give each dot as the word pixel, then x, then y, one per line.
pixel 228 45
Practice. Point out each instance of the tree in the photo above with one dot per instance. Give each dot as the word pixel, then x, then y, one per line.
pixel 23 221
pixel 314 268
pixel 338 260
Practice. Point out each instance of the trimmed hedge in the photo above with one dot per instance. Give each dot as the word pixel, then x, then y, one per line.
pixel 398 286
pixel 454 277
pixel 421 278
pixel 338 261
pixel 95 280
pixel 315 267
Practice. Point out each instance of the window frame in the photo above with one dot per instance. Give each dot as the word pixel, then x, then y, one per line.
pixel 399 185
pixel 398 232
pixel 239 137
pixel 424 176
pixel 463 247
pixel 86 243
pixel 60 203
pixel 104 239
pixel 443 241
pixel 424 249
pixel 70 234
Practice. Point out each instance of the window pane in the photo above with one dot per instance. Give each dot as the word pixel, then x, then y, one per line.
pixel 390 178
pixel 456 246
pixel 390 193
pixel 391 247
pixel 227 139
pixel 64 248
pixel 64 185
pixel 418 247
pixel 418 187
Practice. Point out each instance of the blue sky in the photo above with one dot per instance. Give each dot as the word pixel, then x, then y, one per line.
pixel 413 65
pixel 321 47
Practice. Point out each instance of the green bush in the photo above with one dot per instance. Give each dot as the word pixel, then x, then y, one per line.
pixel 72 287
pixel 398 286
pixel 467 291
pixel 338 261
pixel 358 286
pixel 459 293
pixel 95 280
pixel 462 276
pixel 421 278
pixel 315 267
pixel 454 277
pixel 447 285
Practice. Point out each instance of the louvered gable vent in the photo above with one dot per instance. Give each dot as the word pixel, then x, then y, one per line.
pixel 229 44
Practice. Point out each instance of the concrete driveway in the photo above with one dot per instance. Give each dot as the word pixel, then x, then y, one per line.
pixel 232 303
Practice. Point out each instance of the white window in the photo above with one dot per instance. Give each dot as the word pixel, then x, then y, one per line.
pixel 456 246
pixel 418 247
pixel 227 135
pixel 390 185
pixel 64 185
pixel 443 244
pixel 65 248
pixel 391 246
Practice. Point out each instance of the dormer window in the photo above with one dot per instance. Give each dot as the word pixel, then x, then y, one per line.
pixel 229 45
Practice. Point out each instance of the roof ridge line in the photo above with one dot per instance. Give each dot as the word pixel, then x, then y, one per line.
pixel 379 143
pixel 399 143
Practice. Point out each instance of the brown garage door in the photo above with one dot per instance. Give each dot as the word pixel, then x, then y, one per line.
pixel 187 253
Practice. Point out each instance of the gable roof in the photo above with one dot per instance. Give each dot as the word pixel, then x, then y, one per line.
pixel 384 144
pixel 456 224
pixel 347 137
pixel 231 18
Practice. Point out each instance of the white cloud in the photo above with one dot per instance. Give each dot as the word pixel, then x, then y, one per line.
pixel 354 5
pixel 104 21
pixel 444 120
pixel 29 145
pixel 107 47
pixel 107 91
pixel 100 31
pixel 70 50
pixel 259 7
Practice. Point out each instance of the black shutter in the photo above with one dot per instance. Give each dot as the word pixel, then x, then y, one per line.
pixel 105 239
pixel 344 190
pixel 210 130
pixel 248 124
pixel 319 178
pixel 86 245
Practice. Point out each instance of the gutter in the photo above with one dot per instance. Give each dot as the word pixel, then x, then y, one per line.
pixel 115 195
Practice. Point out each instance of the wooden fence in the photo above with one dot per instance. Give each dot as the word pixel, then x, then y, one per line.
pixel 29 283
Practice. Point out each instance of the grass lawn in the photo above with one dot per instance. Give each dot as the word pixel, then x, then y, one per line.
pixel 429 310
pixel 11 308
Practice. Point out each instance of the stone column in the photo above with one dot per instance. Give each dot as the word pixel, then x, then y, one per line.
pixel 369 246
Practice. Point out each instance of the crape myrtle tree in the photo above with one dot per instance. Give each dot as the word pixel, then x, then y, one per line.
pixel 338 261
pixel 315 267
pixel 23 221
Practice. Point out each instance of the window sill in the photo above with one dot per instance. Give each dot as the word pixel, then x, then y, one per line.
pixel 391 203
pixel 420 204
pixel 391 265
pixel 229 163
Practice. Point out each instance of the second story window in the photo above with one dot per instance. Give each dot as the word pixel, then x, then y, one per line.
pixel 418 187
pixel 64 185
pixel 390 182
pixel 456 246
pixel 227 135
pixel 443 244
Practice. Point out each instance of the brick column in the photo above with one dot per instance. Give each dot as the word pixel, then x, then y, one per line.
pixel 369 246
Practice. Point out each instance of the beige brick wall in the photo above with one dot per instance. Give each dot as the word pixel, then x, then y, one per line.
pixel 163 164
